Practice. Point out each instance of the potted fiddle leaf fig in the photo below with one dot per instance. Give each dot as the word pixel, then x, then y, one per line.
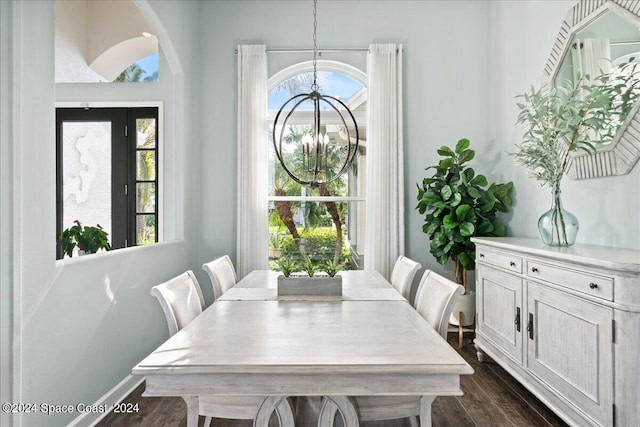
pixel 459 204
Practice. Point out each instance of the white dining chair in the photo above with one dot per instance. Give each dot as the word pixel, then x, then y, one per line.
pixel 181 301
pixel 404 270
pixel 222 274
pixel 435 298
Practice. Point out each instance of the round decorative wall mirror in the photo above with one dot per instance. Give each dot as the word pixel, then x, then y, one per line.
pixel 594 36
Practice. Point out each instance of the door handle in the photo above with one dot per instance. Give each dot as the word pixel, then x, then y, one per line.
pixel 517 321
pixel 530 326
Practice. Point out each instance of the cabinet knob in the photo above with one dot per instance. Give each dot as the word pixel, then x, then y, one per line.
pixel 512 264
pixel 593 285
pixel 534 269
pixel 481 255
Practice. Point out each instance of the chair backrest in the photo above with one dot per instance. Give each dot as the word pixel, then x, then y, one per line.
pixel 181 300
pixel 404 271
pixel 222 274
pixel 435 298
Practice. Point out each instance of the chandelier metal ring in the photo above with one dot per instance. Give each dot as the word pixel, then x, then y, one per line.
pixel 315 153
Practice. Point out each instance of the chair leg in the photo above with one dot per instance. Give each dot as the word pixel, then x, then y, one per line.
pixel 460 329
pixel 207 422
pixel 414 421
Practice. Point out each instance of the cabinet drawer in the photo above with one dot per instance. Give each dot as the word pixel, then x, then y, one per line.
pixel 591 284
pixel 500 259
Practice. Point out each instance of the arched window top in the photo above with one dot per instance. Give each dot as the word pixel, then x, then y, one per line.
pixel 337 79
pixel 112 62
pixel 324 65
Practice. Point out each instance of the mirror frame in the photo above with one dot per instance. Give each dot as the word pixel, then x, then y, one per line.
pixel 618 157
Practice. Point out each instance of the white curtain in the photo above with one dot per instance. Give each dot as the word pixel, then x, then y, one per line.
pixel 384 240
pixel 591 57
pixel 252 232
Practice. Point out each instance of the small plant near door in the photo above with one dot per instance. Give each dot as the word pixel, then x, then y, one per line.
pixel 88 239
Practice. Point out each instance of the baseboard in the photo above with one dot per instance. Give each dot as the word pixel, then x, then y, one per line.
pixel 116 395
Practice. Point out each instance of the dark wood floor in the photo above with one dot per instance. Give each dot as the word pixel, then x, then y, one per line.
pixel 491 398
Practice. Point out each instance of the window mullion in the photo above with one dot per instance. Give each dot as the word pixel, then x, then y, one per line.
pixel 119 179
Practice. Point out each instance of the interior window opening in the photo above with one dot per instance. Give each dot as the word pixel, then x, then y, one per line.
pixel 103 41
pixel 107 178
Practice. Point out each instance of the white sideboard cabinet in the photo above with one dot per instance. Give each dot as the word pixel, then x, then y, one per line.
pixel 565 322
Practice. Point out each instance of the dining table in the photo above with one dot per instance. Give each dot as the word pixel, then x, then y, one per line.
pixel 369 341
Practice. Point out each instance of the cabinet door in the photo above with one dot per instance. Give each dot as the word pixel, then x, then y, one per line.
pixel 500 311
pixel 570 348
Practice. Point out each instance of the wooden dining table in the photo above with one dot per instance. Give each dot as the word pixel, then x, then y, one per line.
pixel 369 341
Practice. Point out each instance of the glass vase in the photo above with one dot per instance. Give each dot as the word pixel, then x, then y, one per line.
pixel 557 226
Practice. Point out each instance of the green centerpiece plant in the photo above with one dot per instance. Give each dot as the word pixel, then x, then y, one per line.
pixel 581 114
pixel 287 266
pixel 309 267
pixel 310 284
pixel 457 205
pixel 330 268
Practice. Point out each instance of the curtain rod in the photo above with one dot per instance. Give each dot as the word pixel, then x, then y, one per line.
pixel 303 50
pixel 625 42
pixel 611 43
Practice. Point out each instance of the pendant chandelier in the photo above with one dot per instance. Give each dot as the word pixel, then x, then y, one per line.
pixel 322 159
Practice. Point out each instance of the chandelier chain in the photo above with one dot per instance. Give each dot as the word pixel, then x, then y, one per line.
pixel 314 86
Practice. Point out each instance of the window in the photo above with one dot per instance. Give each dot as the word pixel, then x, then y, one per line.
pixel 103 41
pixel 144 70
pixel 107 172
pixel 324 223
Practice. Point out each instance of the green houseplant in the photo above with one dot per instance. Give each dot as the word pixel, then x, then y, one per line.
pixel 580 114
pixel 287 266
pixel 457 205
pixel 88 239
pixel 330 268
pixel 309 267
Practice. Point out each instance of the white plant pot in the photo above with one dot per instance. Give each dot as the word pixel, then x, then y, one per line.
pixel 305 285
pixel 467 305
